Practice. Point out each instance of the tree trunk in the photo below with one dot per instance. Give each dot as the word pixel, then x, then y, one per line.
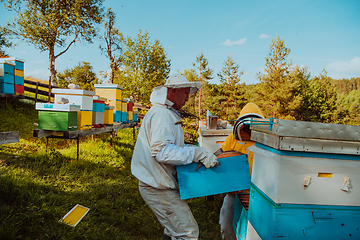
pixel 200 103
pixel 52 80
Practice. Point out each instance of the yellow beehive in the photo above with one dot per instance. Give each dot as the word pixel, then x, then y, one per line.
pixel 109 91
pixel 123 106
pixel 130 116
pixel 84 120
pixel 19 73
pixel 109 115
pixel 117 104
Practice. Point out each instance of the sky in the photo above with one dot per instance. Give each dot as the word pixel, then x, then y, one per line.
pixel 321 34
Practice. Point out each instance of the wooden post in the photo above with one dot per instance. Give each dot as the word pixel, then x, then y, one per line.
pixel 47 143
pixel 49 89
pixel 36 91
pixel 77 152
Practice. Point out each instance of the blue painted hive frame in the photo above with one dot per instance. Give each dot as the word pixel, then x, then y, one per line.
pixel 231 175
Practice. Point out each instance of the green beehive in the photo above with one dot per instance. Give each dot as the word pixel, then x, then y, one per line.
pixel 58 121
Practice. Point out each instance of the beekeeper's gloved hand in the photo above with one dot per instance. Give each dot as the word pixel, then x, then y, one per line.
pixel 205 157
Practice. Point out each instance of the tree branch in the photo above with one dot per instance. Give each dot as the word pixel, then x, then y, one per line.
pixel 61 53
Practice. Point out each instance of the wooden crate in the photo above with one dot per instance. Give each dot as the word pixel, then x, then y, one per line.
pixel 231 175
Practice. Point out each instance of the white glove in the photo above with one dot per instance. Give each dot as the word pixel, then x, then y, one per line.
pixel 205 157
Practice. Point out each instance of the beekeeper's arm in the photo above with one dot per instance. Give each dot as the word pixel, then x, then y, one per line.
pixel 163 148
pixel 172 154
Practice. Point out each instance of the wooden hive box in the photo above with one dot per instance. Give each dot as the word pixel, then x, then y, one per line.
pixel 300 221
pixel 109 91
pixel 58 117
pixel 75 96
pixel 231 175
pixel 109 115
pixel 84 119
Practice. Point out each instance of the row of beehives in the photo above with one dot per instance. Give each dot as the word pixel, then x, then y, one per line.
pixel 76 109
pixel 11 76
pixel 304 182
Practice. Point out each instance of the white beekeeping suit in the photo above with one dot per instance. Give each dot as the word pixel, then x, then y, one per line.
pixel 159 147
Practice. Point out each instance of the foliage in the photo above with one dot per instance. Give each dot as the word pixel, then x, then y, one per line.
pixel 25 113
pixel 320 100
pixel 230 78
pixel 345 86
pixel 82 75
pixel 4 41
pixel 145 66
pixel 40 184
pixel 205 74
pixel 280 89
pixel 112 40
pixel 49 24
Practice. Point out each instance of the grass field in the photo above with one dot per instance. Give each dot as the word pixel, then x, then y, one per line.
pixel 39 184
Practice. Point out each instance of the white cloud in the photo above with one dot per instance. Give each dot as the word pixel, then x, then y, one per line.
pixel 264 36
pixel 228 42
pixel 350 67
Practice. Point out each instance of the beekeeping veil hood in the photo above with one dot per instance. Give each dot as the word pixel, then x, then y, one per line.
pixel 159 93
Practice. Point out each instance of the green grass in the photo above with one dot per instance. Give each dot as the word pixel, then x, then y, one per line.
pixel 39 184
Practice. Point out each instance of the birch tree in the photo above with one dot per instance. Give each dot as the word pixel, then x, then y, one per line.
pixel 112 38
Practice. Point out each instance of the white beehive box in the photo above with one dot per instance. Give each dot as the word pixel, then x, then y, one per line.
pixel 57 107
pixel 212 139
pixel 80 97
pixel 306 178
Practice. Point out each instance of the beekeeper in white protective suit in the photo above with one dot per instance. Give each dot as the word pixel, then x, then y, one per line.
pixel 158 149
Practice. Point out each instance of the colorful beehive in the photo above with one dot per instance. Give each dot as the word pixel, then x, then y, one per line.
pixel 17 75
pixel 109 91
pixel 123 111
pixel 84 119
pixel 304 179
pixel 117 116
pixel 135 115
pixel 75 96
pixel 7 80
pixel 129 110
pixel 109 115
pixel 231 175
pixel 78 97
pixel 58 117
pixel 98 110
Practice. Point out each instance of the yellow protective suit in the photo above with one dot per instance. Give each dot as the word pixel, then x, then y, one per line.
pixel 239 141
